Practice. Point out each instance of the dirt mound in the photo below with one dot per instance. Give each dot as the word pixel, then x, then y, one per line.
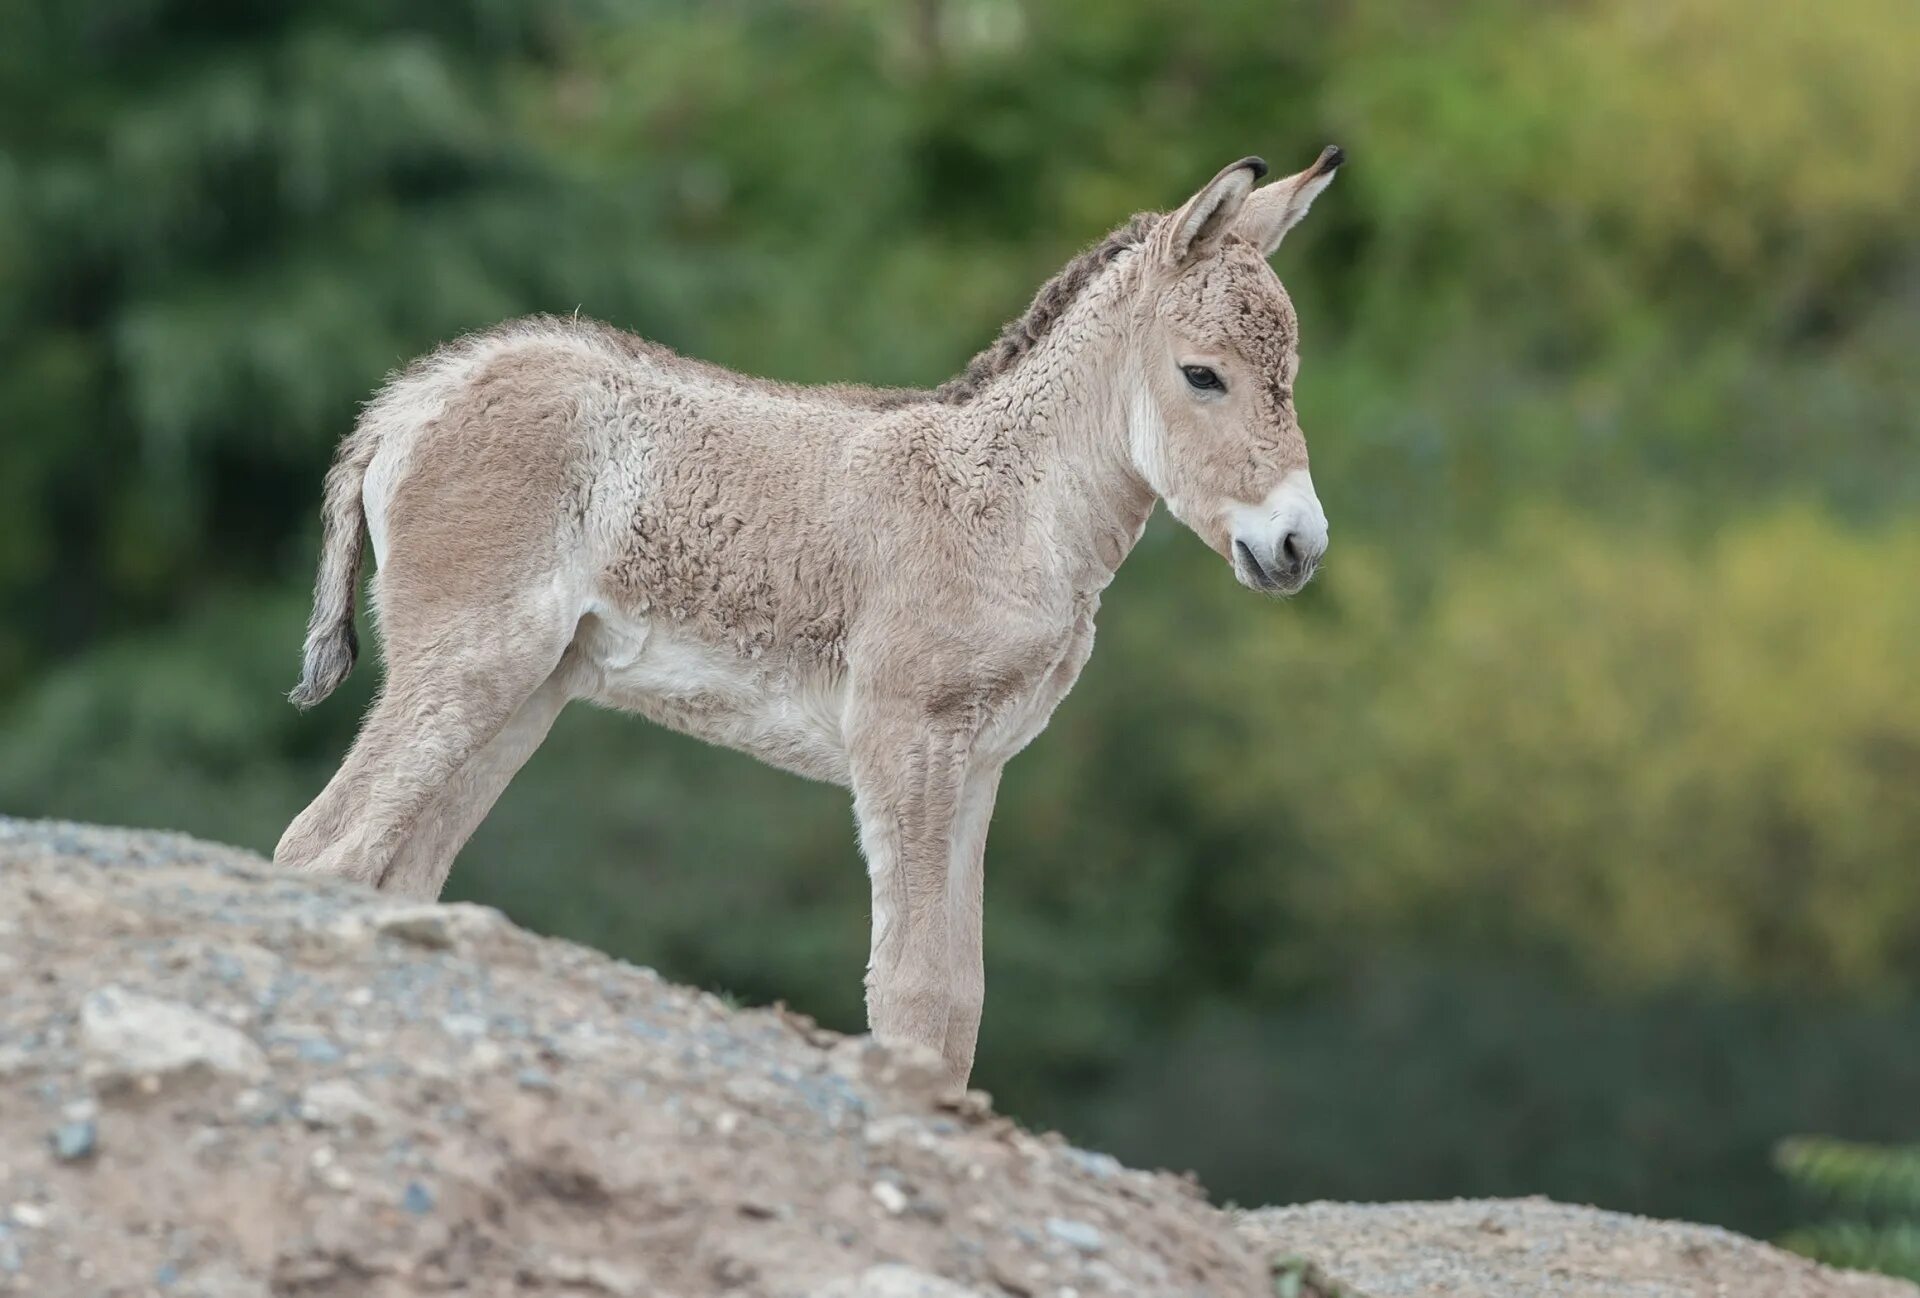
pixel 220 1080
pixel 1533 1248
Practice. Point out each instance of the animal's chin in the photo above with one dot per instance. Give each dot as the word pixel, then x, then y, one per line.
pixel 1248 572
pixel 1275 589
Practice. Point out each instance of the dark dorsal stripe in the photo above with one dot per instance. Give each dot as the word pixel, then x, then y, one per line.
pixel 1049 304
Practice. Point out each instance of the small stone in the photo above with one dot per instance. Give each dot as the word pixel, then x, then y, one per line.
pixel 319 1050
pixel 134 1039
pixel 417 1199
pixel 340 1104
pixel 463 1025
pixel 1098 1165
pixel 892 1280
pixel 74 1141
pixel 593 1273
pixel 30 1215
pixel 971 1106
pixel 732 1272
pixel 533 1079
pixel 327 1170
pixel 890 1196
pixel 437 927
pixel 244 963
pixel 255 1106
pixel 897 1129
pixel 1078 1234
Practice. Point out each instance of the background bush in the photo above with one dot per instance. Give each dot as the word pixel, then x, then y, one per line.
pixel 1873 1192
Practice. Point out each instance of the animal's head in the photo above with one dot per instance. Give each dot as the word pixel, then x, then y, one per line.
pixel 1212 425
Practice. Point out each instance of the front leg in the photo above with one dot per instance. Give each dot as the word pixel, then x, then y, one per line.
pixel 909 768
pixel 966 880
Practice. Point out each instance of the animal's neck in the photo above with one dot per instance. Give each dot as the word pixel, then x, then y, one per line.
pixel 1062 411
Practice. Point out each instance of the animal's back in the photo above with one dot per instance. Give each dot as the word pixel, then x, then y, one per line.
pixel 696 521
pixel 681 487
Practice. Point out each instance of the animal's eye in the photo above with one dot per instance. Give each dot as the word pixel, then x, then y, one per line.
pixel 1202 379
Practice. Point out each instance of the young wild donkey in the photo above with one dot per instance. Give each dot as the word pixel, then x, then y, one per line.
pixel 890 590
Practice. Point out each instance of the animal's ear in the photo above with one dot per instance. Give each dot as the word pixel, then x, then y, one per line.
pixel 1274 209
pixel 1203 221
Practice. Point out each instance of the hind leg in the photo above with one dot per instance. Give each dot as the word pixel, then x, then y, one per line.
pixel 421 866
pixel 481 584
pixel 444 703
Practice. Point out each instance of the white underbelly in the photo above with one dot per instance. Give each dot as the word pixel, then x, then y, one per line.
pixel 790 717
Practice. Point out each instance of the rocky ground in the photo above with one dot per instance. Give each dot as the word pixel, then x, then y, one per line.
pixel 219 1080
pixel 1533 1248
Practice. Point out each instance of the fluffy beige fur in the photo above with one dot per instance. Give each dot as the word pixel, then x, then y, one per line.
pixel 890 590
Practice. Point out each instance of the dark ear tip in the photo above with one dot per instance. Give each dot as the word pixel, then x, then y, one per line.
pixel 1330 159
pixel 1258 166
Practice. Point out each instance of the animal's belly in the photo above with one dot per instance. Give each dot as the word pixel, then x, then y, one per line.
pixel 787 717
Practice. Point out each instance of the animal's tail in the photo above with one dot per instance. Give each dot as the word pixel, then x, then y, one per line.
pixel 332 644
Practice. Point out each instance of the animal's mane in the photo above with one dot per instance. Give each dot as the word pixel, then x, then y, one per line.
pixel 1020 334
pixel 1016 339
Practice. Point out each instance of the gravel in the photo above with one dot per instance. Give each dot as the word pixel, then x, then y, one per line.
pixel 219 1079
pixel 223 1081
pixel 1533 1248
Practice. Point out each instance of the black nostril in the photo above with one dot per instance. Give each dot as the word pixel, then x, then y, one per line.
pixel 1291 549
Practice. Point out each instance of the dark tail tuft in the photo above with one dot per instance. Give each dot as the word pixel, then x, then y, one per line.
pixel 332 643
pixel 331 653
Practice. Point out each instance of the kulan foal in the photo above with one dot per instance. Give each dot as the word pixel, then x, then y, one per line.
pixel 889 590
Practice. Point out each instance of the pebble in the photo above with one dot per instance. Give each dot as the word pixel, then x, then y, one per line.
pixel 890 1196
pixel 418 1199
pixel 319 1050
pixel 596 1274
pixel 892 1280
pixel 244 963
pixel 1102 1166
pixel 255 1106
pixel 74 1141
pixel 338 1103
pixel 1076 1233
pixel 463 1025
pixel 130 1038
pixel 327 1170
pixel 434 926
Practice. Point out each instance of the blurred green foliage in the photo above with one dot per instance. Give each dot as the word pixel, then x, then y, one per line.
pixel 1561 838
pixel 1876 1191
